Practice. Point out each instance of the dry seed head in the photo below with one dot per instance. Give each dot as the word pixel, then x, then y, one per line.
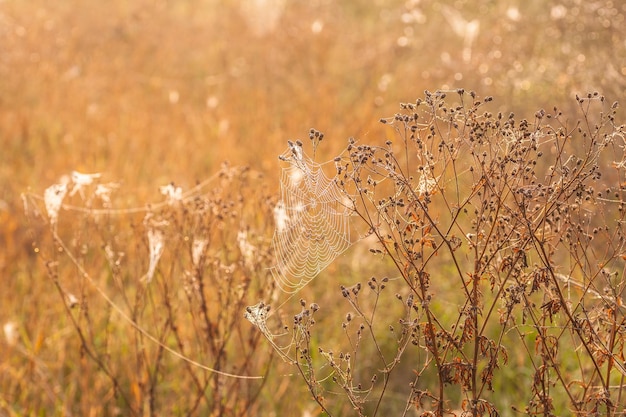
pixel 344 291
pixel 257 315
pixel 296 149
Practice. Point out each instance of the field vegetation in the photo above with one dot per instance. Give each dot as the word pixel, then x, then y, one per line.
pixel 485 273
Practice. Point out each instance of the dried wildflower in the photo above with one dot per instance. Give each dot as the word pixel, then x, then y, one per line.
pixel 296 149
pixel 520 218
pixel 257 315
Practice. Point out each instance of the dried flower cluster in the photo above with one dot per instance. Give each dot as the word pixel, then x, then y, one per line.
pixel 507 243
pixel 170 280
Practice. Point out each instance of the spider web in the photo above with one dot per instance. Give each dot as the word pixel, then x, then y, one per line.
pixel 312 221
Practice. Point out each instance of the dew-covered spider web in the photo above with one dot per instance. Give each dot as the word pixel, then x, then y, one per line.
pixel 312 221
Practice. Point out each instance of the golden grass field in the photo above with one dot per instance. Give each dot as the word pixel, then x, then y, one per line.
pixel 149 93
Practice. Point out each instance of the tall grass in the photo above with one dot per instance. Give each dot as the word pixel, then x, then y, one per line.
pixel 147 93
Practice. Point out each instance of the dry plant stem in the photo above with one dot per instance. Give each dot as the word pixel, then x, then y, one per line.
pixel 200 385
pixel 306 370
pixel 504 189
pixel 132 323
pixel 85 346
pixel 564 307
pixel 422 296
pixel 473 291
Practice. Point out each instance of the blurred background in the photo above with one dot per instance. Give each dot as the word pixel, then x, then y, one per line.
pixel 149 92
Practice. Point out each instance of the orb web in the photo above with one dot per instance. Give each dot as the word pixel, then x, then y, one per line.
pixel 312 221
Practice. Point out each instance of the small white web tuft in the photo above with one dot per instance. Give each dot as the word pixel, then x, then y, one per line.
pixel 257 315
pixel 248 250
pixel 53 198
pixel 198 248
pixel 174 194
pixel 80 181
pixel 155 243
